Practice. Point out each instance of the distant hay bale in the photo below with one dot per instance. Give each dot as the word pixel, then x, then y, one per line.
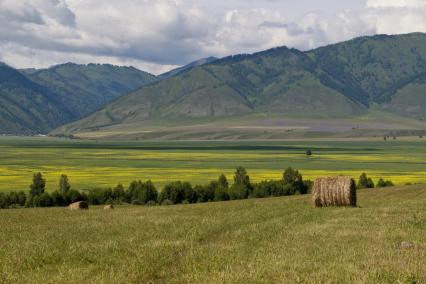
pixel 334 191
pixel 109 207
pixel 81 205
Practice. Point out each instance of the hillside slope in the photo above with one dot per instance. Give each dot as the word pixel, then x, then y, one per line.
pixel 374 69
pixel 36 101
pixel 361 77
pixel 279 81
pixel 85 88
pixel 27 107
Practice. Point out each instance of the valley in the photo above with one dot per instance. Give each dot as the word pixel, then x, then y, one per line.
pixel 100 164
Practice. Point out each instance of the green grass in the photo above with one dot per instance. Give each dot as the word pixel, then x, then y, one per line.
pixel 252 241
pixel 103 164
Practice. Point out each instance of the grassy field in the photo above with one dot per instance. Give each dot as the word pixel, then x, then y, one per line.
pixel 104 164
pixel 278 240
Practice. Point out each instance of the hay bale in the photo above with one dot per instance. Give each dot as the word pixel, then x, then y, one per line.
pixel 81 205
pixel 334 191
pixel 109 207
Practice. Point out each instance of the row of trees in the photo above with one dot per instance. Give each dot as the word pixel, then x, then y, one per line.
pixel 145 193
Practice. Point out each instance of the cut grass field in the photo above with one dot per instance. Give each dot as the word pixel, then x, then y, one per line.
pixel 105 164
pixel 277 240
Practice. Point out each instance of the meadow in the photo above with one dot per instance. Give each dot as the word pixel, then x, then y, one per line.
pixel 276 240
pixel 105 164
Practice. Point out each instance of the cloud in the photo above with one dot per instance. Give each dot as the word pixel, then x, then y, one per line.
pixel 159 34
pixel 396 3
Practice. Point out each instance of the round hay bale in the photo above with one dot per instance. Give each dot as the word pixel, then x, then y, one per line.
pixel 81 205
pixel 109 207
pixel 334 191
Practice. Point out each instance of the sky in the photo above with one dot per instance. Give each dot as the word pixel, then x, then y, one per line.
pixel 158 35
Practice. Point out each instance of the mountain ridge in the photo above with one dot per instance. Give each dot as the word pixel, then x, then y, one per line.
pixel 60 94
pixel 337 81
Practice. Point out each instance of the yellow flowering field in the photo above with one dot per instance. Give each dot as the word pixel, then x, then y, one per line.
pixel 105 164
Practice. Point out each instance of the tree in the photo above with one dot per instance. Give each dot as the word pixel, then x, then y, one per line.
pixel 241 177
pixel 206 193
pixel 308 152
pixel 64 185
pixel 142 193
pixel 148 193
pixel 119 193
pixel 223 182
pixel 38 186
pixel 3 201
pixel 175 192
pixel 365 182
pixel 241 188
pixel 132 191
pixel 294 179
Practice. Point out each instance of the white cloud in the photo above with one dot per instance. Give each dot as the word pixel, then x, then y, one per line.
pixel 158 34
pixel 396 3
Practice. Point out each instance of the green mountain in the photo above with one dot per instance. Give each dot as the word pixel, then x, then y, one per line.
pixel 375 83
pixel 374 69
pixel 36 101
pixel 191 65
pixel 27 107
pixel 85 88
pixel 278 81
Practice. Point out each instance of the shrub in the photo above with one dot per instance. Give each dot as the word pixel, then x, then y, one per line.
pixel 221 194
pixel 16 198
pixel 383 183
pixel 262 190
pixel 238 191
pixel 365 182
pixel 58 199
pixel 45 200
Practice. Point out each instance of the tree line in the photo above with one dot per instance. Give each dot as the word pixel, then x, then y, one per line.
pixel 178 192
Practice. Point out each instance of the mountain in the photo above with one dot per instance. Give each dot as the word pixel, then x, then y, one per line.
pixel 374 85
pixel 191 65
pixel 85 88
pixel 27 107
pixel 36 101
pixel 379 69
